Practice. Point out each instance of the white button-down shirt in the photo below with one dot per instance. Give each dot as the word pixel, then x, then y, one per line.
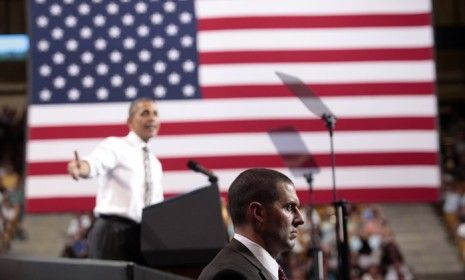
pixel 261 254
pixel 118 162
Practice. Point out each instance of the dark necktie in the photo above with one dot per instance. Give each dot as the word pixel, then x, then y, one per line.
pixel 147 177
pixel 281 274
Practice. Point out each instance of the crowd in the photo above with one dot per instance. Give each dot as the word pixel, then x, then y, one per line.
pixel 374 253
pixel 453 168
pixel 11 170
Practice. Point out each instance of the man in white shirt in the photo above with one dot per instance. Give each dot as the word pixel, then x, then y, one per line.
pixel 264 208
pixel 129 177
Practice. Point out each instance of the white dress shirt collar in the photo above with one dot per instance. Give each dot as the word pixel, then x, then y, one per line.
pixel 261 254
pixel 133 138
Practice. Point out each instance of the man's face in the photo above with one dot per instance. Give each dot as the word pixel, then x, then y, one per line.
pixel 145 121
pixel 281 221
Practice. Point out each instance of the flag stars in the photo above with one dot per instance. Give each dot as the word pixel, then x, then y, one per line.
pixel 84 9
pixel 57 33
pixel 130 68
pixel 59 82
pixel 74 94
pixel 171 29
pixel 129 43
pixel 130 92
pixel 187 41
pixel 114 32
pixel 174 78
pixel 58 58
pixel 72 45
pixel 73 70
pixel 45 70
pixel 144 55
pixel 85 32
pixel 185 17
pixel 70 21
pixel 173 54
pixel 116 56
pixel 102 69
pixel 159 67
pixel 188 66
pixel 159 91
pixel 169 6
pixel 145 79
pixel 55 10
pixel 188 90
pixel 45 95
pixel 99 20
pixel 158 42
pixel 68 2
pixel 100 44
pixel 88 81
pixel 43 45
pixel 143 31
pixel 156 18
pixel 102 93
pixel 128 20
pixel 87 57
pixel 112 8
pixel 42 21
pixel 141 8
pixel 116 81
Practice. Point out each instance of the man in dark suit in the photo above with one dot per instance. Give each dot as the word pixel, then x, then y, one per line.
pixel 264 208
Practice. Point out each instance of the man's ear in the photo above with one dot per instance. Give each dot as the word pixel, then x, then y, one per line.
pixel 257 211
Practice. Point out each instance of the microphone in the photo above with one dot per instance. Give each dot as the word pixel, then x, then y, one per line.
pixel 195 166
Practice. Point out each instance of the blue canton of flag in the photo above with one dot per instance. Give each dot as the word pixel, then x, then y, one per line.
pixel 102 51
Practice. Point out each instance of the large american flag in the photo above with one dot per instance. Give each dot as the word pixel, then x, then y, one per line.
pixel 212 64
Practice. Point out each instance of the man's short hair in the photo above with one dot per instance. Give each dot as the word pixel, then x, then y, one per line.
pixel 135 102
pixel 256 184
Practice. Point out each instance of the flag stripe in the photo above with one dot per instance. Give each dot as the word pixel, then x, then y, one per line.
pixel 239 144
pixel 349 177
pixel 316 39
pixel 380 194
pixel 208 127
pixel 271 161
pixel 225 8
pixel 240 109
pixel 315 55
pixel 321 90
pixel 339 21
pixel 348 72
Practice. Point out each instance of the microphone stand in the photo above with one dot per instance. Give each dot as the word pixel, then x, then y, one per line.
pixel 315 249
pixel 340 208
pixel 213 181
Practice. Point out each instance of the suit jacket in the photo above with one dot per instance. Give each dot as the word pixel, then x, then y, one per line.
pixel 235 262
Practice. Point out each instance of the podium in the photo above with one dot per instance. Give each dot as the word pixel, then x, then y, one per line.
pixel 186 231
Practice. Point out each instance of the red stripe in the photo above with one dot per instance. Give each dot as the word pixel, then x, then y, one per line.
pixel 242 126
pixel 339 21
pixel 315 56
pixel 248 91
pixel 271 161
pixel 353 195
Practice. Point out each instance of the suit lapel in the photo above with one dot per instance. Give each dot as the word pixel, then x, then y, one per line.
pixel 246 253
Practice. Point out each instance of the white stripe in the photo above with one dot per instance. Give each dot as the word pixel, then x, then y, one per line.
pixel 237 8
pixel 252 143
pixel 236 109
pixel 317 38
pixel 348 72
pixel 184 181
